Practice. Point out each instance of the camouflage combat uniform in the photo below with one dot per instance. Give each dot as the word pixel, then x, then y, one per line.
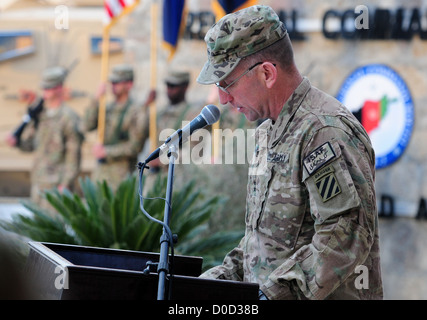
pixel 56 137
pixel 171 119
pixel 175 115
pixel 125 132
pixel 311 216
pixel 57 143
pixel 311 209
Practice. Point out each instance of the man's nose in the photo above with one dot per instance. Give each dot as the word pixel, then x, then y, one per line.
pixel 224 97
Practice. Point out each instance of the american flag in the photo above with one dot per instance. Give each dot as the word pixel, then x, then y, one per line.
pixel 114 8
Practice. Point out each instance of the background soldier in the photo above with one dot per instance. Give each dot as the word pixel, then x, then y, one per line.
pixel 126 128
pixel 55 135
pixel 178 110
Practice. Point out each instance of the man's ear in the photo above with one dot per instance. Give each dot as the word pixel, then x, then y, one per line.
pixel 270 74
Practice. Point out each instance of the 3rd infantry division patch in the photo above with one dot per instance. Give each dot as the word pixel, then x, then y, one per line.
pixel 327 184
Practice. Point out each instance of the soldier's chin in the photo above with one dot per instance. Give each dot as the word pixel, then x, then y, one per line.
pixel 249 116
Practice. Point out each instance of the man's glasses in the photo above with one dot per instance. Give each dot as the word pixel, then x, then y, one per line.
pixel 224 89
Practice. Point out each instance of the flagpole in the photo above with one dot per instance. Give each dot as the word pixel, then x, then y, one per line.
pixel 153 74
pixel 104 66
pixel 104 74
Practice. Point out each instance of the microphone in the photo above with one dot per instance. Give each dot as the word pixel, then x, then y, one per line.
pixel 209 115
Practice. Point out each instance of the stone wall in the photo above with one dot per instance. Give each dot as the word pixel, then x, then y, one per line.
pixel 327 63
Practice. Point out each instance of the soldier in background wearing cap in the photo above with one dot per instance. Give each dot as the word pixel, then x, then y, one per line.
pixel 311 220
pixel 126 128
pixel 56 137
pixel 170 118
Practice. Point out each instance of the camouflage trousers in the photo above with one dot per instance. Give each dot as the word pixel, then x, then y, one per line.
pixel 37 196
pixel 113 172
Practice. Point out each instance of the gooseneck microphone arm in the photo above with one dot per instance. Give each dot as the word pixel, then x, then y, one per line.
pixel 209 115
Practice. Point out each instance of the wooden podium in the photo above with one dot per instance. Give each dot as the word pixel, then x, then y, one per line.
pixel 64 272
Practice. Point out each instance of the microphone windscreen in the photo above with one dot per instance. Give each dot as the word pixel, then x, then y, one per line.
pixel 211 114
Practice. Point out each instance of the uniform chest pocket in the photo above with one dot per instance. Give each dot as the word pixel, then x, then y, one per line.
pixel 279 211
pixel 258 184
pixel 51 144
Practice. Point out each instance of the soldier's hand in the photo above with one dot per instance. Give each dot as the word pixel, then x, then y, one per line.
pixel 102 88
pixel 27 96
pixel 99 151
pixel 11 140
pixel 151 97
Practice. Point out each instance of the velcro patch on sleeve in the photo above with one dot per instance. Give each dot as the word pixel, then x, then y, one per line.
pixel 318 157
pixel 327 183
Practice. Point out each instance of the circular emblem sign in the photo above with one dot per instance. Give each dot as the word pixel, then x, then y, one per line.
pixel 380 99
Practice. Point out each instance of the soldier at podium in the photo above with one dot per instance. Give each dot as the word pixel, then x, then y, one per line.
pixel 311 217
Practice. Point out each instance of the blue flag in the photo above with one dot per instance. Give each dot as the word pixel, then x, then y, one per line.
pixel 174 16
pixel 223 7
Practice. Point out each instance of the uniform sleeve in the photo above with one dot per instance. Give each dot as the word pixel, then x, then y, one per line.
pixel 26 141
pixel 338 176
pixel 138 134
pixel 231 268
pixel 73 143
pixel 90 120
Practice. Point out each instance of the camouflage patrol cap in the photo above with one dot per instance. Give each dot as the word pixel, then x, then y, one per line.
pixel 236 36
pixel 52 77
pixel 176 78
pixel 121 73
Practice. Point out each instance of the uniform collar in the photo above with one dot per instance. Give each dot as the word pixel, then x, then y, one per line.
pixel 53 112
pixel 178 105
pixel 124 105
pixel 176 108
pixel 288 110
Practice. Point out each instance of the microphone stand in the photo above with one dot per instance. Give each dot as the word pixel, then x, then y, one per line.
pixel 163 267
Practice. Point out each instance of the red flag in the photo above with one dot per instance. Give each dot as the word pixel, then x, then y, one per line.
pixel 116 8
pixel 371 115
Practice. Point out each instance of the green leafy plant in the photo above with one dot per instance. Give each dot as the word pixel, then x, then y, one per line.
pixel 103 218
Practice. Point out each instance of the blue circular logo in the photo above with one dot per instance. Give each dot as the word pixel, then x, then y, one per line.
pixel 381 101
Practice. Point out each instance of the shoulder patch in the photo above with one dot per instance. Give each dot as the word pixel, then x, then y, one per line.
pixel 326 183
pixel 318 157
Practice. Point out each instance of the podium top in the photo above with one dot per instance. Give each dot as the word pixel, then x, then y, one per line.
pixel 73 255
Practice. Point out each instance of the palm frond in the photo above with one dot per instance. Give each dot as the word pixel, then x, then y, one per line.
pixel 103 218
